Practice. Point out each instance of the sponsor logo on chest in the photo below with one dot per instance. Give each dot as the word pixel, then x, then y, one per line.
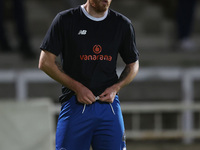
pixel 97 49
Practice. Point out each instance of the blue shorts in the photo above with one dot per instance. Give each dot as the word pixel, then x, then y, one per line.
pixel 99 125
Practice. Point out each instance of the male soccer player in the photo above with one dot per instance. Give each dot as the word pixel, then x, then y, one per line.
pixel 88 39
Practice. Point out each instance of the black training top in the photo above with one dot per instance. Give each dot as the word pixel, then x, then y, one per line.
pixel 89 47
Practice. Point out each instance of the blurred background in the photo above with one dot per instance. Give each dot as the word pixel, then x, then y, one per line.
pixel 161 107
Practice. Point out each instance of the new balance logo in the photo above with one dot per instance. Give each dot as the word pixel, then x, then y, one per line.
pixel 82 32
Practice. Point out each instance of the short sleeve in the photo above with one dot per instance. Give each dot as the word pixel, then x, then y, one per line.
pixel 53 40
pixel 128 49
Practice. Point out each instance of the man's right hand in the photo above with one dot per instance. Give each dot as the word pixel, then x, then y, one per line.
pixel 85 96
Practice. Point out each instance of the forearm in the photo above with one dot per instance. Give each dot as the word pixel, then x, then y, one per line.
pixel 55 73
pixel 53 70
pixel 48 65
pixel 127 75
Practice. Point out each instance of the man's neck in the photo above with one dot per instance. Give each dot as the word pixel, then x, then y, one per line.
pixel 92 11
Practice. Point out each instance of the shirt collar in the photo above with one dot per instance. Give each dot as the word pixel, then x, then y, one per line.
pixel 91 17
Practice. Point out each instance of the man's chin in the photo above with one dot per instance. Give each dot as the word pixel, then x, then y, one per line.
pixel 102 8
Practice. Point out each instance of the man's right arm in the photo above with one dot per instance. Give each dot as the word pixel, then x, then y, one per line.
pixel 47 63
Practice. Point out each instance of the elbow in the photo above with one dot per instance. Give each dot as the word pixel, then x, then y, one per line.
pixel 46 61
pixel 136 67
pixel 42 65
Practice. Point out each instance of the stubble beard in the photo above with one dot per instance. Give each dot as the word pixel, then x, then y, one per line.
pixel 99 7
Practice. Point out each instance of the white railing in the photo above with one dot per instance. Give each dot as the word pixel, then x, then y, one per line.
pixel 186 108
pixel 187 133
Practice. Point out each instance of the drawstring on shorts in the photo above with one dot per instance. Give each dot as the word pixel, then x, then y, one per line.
pixel 84 107
pixel 112 108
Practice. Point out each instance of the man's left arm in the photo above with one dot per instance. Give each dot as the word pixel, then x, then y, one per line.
pixel 128 74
